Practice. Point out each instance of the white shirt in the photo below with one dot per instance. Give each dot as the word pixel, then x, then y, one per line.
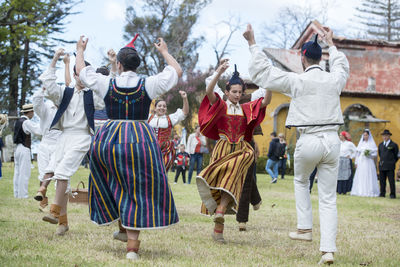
pixel 192 142
pixel 74 118
pixel 162 121
pixel 254 96
pixel 347 149
pixel 155 85
pixel 30 127
pixel 46 112
pixel 233 109
pixel 305 88
pixel 386 143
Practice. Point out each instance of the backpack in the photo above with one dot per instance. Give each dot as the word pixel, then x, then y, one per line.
pixel 279 151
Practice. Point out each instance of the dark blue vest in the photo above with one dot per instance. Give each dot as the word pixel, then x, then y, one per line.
pixel 87 103
pixel 123 103
pixel 20 137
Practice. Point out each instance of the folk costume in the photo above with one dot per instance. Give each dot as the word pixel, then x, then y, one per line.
pixel 348 151
pixel 232 125
pixel 74 118
pixel 163 126
pixel 128 180
pixel 365 183
pixel 48 144
pixel 23 130
pixel 315 111
pixel 250 193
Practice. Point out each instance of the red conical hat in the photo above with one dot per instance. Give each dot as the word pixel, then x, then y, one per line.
pixel 131 45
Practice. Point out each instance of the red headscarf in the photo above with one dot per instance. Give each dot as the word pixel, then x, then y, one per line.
pixel 346 135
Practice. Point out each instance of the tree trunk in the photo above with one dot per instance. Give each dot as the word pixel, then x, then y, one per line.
pixel 25 80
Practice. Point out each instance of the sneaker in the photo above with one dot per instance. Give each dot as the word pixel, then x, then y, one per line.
pixel 327 258
pixel 301 237
pixel 121 236
pixel 257 206
pixel 274 180
pixel 242 227
pixel 132 256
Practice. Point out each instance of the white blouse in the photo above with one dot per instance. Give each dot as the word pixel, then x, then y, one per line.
pixel 348 149
pixel 162 121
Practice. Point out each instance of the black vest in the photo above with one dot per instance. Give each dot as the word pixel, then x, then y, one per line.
pixel 20 137
pixel 124 103
pixel 87 103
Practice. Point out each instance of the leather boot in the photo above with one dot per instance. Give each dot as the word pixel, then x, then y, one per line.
pixel 62 225
pixel 52 217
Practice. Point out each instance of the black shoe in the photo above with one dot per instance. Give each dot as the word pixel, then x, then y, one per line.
pixel 391 196
pixel 381 195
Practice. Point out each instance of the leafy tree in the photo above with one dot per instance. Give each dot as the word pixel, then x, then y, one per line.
pixel 172 20
pixel 27 35
pixel 382 18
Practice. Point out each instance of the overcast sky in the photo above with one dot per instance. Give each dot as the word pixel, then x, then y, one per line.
pixel 102 21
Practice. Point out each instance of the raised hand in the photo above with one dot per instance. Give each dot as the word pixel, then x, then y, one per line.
pixel 183 94
pixel 112 56
pixel 66 59
pixel 328 36
pixel 60 52
pixel 161 46
pixel 249 35
pixel 81 44
pixel 223 66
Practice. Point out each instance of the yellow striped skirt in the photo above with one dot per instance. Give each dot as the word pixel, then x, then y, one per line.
pixel 226 172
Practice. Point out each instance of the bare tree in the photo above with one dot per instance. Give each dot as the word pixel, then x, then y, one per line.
pixel 222 43
pixel 291 21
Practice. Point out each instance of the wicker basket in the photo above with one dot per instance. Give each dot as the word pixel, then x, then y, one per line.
pixel 79 195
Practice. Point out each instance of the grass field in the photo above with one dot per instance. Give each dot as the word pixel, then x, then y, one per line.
pixel 368 234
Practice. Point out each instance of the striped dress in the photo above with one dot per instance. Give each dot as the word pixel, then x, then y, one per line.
pixel 128 180
pixel 232 155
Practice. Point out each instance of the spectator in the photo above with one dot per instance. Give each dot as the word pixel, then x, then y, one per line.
pixel 283 158
pixel 182 161
pixel 273 158
pixel 195 141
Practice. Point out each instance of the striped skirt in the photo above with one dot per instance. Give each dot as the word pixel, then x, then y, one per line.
pixel 168 153
pixel 226 172
pixel 128 178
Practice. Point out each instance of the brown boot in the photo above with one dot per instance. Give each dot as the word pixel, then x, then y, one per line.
pixel 62 225
pixel 132 249
pixel 43 204
pixel 52 217
pixel 41 194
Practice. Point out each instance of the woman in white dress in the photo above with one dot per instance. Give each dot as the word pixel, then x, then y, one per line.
pixel 365 182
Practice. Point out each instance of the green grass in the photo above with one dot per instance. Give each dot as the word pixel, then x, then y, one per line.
pixel 368 233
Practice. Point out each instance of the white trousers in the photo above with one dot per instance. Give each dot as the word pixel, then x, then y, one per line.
pixel 319 150
pixel 69 154
pixel 46 151
pixel 22 171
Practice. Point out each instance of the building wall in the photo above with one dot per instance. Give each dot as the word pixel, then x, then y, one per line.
pixel 387 109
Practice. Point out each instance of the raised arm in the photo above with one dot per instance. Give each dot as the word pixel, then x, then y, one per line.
pixel 185 107
pixel 338 63
pixel 267 98
pixel 67 72
pixel 80 49
pixel 262 72
pixel 53 91
pixel 112 57
pixel 224 65
pixel 38 103
pixel 162 47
